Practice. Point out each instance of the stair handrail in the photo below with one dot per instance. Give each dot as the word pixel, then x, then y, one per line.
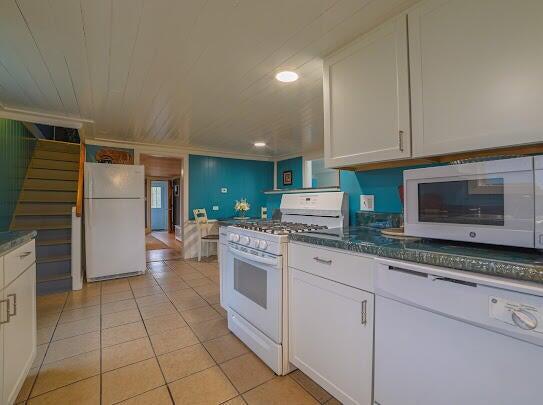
pixel 79 202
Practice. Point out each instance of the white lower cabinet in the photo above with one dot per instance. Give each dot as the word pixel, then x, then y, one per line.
pixel 331 335
pixel 2 320
pixel 18 330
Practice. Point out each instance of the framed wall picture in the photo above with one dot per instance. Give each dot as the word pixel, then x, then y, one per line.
pixel 108 154
pixel 287 178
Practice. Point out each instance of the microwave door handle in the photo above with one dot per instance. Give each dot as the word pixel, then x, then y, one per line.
pixel 253 258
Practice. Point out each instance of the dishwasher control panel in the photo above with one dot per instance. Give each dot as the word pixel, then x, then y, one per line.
pixel 523 316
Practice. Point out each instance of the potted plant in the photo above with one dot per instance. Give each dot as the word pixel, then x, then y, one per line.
pixel 241 207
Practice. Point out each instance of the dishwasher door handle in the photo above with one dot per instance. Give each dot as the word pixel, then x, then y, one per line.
pixel 453 280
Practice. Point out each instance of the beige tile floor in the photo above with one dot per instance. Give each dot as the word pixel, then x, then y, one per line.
pixel 160 338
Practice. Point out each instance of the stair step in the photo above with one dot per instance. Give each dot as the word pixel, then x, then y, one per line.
pixel 49 174
pixel 48 196
pixel 50 185
pixel 53 234
pixel 53 242
pixel 29 223
pixel 53 164
pixel 58 146
pixel 43 209
pixel 55 286
pixel 52 259
pixel 53 278
pixel 49 155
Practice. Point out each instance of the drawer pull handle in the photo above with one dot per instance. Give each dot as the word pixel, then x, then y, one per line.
pixel 23 255
pixel 7 312
pixel 323 261
pixel 14 296
pixel 364 313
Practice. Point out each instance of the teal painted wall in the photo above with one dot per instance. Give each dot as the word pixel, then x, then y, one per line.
pixel 16 148
pixel 383 184
pixel 273 202
pixel 243 179
pixel 294 164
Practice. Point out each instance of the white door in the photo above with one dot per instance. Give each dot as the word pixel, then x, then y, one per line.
pixel 254 290
pixel 366 98
pixel 476 79
pixel 114 181
pixel 19 332
pixel 114 237
pixel 331 335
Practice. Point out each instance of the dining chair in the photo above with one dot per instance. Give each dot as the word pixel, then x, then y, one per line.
pixel 204 237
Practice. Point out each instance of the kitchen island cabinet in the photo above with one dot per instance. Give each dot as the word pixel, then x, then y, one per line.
pixel 18 326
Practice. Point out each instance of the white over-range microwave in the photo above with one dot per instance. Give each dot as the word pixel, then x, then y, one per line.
pixel 497 202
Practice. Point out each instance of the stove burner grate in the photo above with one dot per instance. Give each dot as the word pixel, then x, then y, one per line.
pixel 279 228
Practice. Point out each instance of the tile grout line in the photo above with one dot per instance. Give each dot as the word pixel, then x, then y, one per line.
pixel 151 343
pixel 156 356
pixel 192 330
pixel 46 350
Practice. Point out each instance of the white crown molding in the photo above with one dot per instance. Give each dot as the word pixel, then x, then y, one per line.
pixel 42 118
pixel 168 150
pixel 308 155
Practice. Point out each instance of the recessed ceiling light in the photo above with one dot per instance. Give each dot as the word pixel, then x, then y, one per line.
pixel 287 76
pixel 260 144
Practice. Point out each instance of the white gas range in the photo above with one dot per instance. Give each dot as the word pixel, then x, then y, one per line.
pixel 255 271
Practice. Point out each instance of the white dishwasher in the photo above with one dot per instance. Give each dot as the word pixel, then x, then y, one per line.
pixel 452 338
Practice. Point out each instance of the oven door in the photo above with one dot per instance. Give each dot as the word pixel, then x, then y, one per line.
pixel 485 202
pixel 254 285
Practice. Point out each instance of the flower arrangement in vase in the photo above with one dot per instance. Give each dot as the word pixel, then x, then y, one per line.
pixel 241 207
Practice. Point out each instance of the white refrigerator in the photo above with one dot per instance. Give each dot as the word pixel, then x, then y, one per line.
pixel 114 220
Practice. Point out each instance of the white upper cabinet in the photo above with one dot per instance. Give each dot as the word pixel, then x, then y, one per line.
pixel 476 74
pixel 366 98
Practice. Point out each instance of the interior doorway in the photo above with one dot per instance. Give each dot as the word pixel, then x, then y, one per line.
pixel 164 206
pixel 159 205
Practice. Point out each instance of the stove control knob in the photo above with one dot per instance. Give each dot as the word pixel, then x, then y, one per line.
pixel 524 319
pixel 263 244
pixel 256 243
pixel 234 237
pixel 245 240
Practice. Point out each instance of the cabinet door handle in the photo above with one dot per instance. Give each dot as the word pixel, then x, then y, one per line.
pixel 364 313
pixel 14 306
pixel 323 261
pixel 23 255
pixel 7 312
pixel 400 140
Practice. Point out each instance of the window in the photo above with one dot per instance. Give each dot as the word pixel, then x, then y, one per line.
pixel 156 197
pixel 319 176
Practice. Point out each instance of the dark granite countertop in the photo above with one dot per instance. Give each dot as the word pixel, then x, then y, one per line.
pixel 12 240
pixel 518 264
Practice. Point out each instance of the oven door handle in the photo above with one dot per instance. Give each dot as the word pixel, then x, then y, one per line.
pixel 253 258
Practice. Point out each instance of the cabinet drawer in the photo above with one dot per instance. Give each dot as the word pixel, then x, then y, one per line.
pixel 18 260
pixel 353 270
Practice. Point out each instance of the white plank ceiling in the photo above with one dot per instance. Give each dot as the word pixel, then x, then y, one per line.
pixel 192 73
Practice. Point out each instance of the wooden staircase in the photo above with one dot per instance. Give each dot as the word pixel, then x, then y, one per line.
pixel 45 204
